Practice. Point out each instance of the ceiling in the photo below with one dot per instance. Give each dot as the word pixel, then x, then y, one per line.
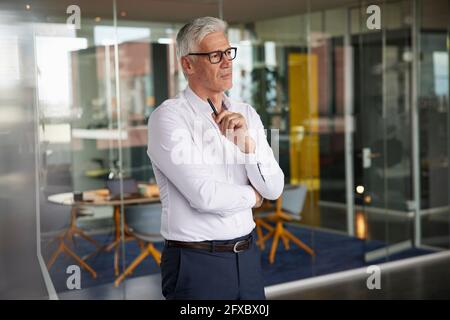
pixel 234 11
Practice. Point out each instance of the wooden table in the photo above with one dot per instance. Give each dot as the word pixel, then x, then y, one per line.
pixel 100 197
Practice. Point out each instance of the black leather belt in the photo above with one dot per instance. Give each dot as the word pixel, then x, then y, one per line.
pixel 236 247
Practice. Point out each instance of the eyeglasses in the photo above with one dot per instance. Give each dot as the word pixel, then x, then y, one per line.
pixel 216 56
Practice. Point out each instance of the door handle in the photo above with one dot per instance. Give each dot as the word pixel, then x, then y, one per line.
pixel 367 157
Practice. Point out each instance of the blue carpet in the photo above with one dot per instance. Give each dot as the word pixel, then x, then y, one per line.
pixel 334 252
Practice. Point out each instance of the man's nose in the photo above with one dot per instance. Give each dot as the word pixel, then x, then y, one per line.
pixel 225 63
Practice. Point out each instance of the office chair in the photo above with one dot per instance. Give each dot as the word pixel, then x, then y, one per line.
pixel 288 207
pixel 144 223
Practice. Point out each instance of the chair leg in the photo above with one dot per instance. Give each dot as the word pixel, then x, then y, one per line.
pixel 268 235
pixel 55 255
pixel 62 248
pixel 142 246
pixel 82 234
pixel 285 241
pixel 131 267
pixel 148 250
pixel 278 231
pixel 298 242
pixel 155 253
pixel 116 245
pixel 80 261
pixel 112 245
pixel 266 225
pixel 116 260
pixel 70 238
pixel 284 216
pixel 269 228
pixel 60 238
pixel 259 233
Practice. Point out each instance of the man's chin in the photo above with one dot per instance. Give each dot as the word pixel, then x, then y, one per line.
pixel 222 86
pixel 228 86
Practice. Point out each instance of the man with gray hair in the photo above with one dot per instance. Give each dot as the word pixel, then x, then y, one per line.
pixel 213 164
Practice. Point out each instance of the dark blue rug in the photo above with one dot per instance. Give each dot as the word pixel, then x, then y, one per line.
pixel 334 253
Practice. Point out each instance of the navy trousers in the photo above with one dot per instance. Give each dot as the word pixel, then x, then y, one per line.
pixel 209 275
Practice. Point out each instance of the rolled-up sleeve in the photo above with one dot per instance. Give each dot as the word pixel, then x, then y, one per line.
pixel 168 138
pixel 263 170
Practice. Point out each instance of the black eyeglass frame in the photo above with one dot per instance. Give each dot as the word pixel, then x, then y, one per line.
pixel 222 53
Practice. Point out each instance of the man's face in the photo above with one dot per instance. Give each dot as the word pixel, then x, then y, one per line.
pixel 213 77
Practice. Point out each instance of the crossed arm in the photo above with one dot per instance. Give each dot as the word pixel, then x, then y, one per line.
pixel 195 181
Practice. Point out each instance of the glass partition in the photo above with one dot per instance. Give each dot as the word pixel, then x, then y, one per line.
pixel 432 36
pixel 329 107
pixel 78 119
pixel 21 276
pixel 271 74
pixel 384 147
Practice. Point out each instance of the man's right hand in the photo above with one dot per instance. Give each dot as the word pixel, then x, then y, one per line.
pixel 259 199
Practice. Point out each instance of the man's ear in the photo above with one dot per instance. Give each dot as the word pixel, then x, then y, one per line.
pixel 187 65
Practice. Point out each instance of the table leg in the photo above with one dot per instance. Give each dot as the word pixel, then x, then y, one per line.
pixel 118 238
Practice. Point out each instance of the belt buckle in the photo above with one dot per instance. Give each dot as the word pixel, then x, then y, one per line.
pixel 235 250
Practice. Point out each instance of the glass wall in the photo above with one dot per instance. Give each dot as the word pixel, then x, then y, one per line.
pixel 432 69
pixel 383 136
pixel 272 73
pixel 358 116
pixel 79 131
pixel 21 275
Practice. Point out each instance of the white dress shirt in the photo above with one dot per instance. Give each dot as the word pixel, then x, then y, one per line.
pixel 204 179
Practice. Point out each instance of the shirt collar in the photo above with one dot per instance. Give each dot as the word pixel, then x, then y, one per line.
pixel 200 105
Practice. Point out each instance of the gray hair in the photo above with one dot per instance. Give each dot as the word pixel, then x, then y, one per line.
pixel 191 34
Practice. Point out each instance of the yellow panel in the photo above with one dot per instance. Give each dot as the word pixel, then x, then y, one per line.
pixel 303 97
